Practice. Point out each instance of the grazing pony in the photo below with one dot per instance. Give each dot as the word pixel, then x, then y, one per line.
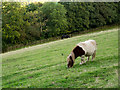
pixel 82 49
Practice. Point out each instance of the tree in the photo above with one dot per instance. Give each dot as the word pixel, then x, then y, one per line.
pixel 12 21
pixel 54 15
pixel 77 16
pixel 33 6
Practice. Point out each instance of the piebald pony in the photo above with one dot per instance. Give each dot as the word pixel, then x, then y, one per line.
pixel 82 49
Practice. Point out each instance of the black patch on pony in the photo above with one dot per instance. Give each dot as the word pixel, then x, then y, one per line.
pixel 78 51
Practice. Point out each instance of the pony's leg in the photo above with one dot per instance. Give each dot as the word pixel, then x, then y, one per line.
pixel 82 59
pixel 94 54
pixel 88 58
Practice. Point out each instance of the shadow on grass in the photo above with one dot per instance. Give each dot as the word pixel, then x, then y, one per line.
pixel 88 63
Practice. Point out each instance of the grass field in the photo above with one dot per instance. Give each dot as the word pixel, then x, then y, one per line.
pixel 43 66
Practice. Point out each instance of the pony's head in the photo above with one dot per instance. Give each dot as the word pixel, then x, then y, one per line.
pixel 70 61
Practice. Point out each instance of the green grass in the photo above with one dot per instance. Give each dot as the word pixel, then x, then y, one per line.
pixel 45 67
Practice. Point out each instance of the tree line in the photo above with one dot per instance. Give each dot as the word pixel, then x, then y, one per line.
pixel 24 24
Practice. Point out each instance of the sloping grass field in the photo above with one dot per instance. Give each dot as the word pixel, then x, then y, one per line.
pixel 45 66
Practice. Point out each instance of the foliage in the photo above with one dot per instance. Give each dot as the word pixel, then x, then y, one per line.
pixel 83 15
pixel 33 6
pixel 12 23
pixel 78 16
pixel 54 15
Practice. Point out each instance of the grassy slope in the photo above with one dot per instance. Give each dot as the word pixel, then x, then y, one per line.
pixel 45 67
